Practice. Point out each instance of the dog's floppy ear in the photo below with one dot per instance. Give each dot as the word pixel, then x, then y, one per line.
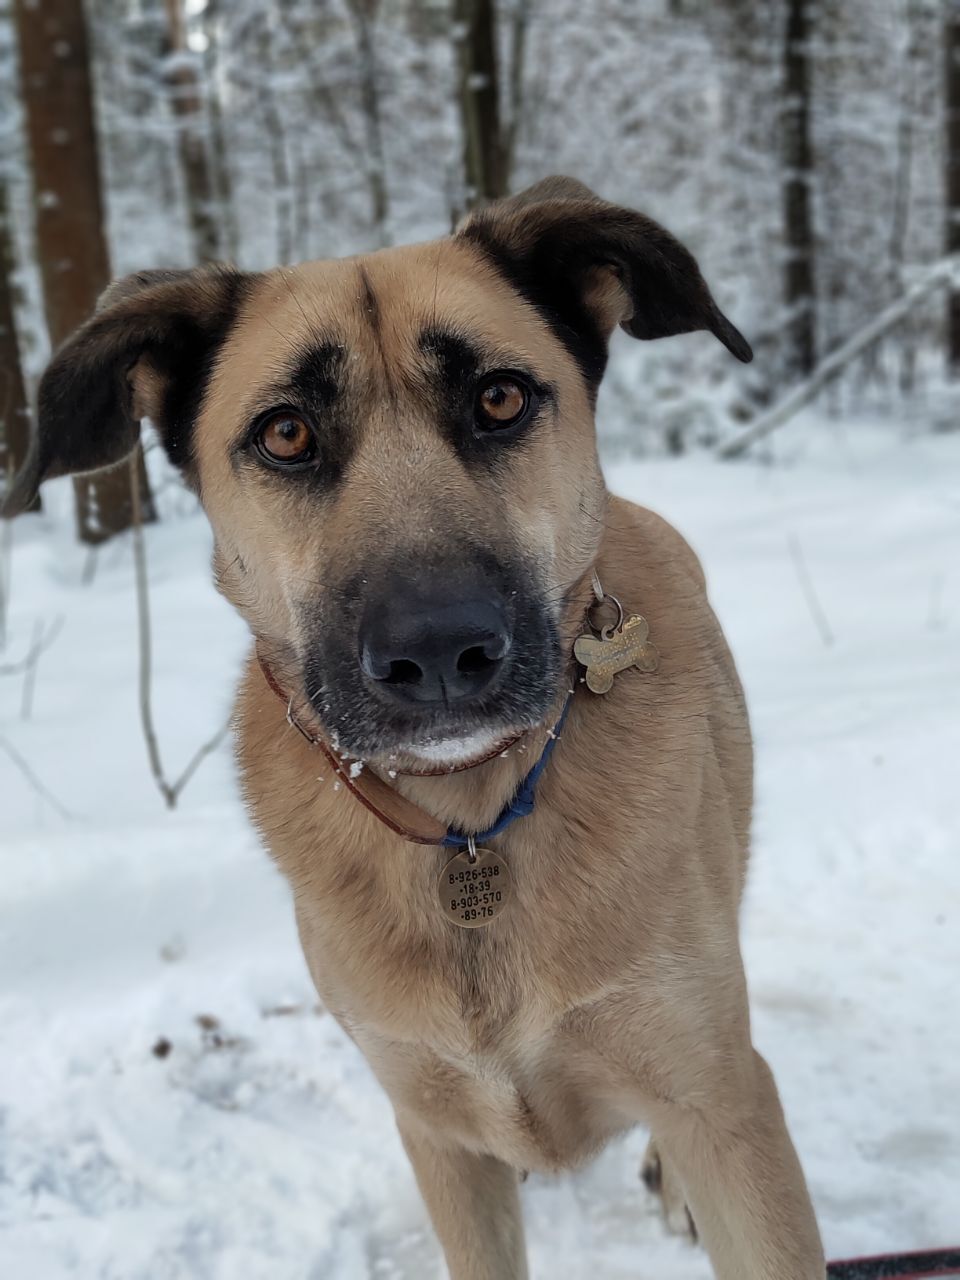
pixel 588 266
pixel 146 352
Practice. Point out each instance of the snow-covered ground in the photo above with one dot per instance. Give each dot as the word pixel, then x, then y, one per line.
pixel 258 1145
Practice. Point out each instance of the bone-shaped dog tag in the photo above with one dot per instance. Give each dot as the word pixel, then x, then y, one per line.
pixel 629 646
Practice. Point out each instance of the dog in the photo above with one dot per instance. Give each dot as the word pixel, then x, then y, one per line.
pixel 397 455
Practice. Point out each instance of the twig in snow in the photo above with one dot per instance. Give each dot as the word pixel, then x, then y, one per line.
pixel 206 749
pixel 809 594
pixel 169 790
pixel 39 643
pixel 30 679
pixel 33 780
pixel 90 565
pixel 43 638
pixel 143 630
pixel 6 573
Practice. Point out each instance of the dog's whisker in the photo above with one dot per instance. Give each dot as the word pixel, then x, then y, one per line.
pixel 592 515
pixel 270 325
pixel 436 282
pixel 285 276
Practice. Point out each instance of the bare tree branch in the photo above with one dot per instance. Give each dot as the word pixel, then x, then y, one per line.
pixel 519 27
pixel 943 274
pixel 6 575
pixel 206 749
pixel 170 791
pixel 809 591
pixel 43 638
pixel 33 780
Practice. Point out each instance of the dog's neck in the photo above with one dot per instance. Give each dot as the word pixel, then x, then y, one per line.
pixel 472 799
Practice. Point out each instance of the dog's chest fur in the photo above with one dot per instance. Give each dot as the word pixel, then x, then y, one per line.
pixel 473 1034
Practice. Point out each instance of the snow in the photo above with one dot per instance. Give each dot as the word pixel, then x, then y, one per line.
pixel 139 1142
pixel 456 751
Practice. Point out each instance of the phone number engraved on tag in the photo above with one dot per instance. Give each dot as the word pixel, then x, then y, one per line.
pixel 474 893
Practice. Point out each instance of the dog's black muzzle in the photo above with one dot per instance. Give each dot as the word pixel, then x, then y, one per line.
pixel 413 658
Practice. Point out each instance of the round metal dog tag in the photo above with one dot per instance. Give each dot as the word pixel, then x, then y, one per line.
pixel 474 893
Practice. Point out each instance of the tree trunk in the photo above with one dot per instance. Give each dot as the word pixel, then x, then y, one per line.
pixel 951 176
pixel 907 114
pixel 519 27
pixel 274 128
pixel 215 28
pixel 484 151
pixel 747 55
pixel 364 14
pixel 58 104
pixel 187 104
pixel 14 410
pixel 799 273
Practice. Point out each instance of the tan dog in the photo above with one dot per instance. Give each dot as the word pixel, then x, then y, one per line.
pixel 397 455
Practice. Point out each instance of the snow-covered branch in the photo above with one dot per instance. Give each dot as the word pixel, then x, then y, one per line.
pixel 945 273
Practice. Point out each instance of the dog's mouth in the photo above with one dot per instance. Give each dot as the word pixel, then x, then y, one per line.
pixel 455 752
pixel 361 727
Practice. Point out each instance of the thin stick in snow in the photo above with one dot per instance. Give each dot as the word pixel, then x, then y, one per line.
pixel 6 574
pixel 169 791
pixel 809 593
pixel 143 636
pixel 30 679
pixel 90 565
pixel 43 792
pixel 42 640
pixel 38 645
pixel 206 749
pixel 946 272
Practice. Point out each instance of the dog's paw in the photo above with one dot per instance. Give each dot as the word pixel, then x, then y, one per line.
pixel 660 1180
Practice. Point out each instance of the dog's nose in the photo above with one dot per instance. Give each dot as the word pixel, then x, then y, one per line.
pixel 439 653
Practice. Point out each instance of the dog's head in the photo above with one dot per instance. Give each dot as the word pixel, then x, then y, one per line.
pixel 396 452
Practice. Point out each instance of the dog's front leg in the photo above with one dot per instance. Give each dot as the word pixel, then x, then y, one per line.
pixel 475 1209
pixel 743 1182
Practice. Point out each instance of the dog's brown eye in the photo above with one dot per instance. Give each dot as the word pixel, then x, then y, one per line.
pixel 501 403
pixel 285 437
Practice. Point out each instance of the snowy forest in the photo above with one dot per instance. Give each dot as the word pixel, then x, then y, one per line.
pixel 175 1103
pixel 809 153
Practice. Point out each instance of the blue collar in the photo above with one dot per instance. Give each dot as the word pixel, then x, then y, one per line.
pixel 523 799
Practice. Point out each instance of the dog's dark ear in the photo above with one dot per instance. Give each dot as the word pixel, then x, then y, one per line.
pixel 588 266
pixel 146 352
